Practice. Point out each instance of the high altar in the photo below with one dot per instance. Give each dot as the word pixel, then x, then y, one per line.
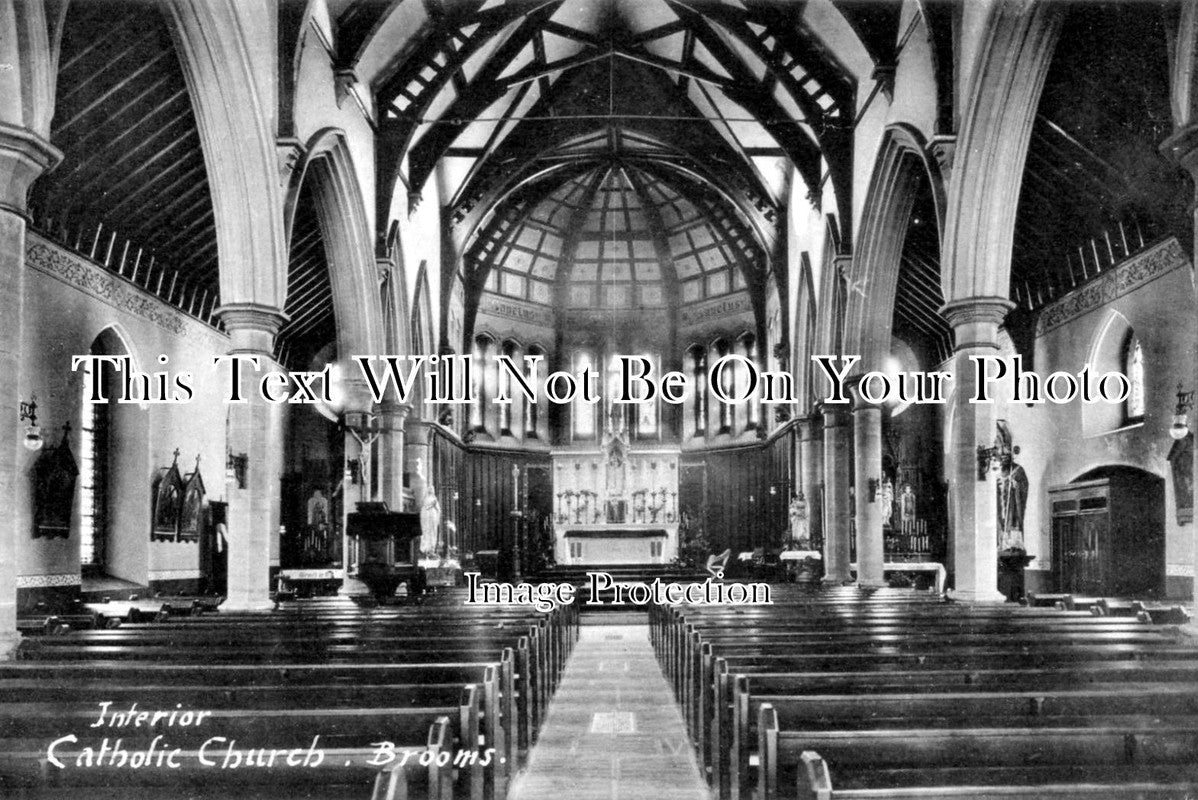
pixel 616 505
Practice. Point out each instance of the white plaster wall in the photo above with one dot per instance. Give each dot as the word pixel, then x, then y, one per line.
pixel 1055 448
pixel 63 320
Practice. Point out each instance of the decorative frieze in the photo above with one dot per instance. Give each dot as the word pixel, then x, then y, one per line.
pixel 1140 269
pixel 117 292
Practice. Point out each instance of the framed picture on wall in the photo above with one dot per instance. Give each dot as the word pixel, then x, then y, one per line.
pixel 54 491
pixel 192 510
pixel 168 501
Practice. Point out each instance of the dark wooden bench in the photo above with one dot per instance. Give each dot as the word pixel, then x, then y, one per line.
pixel 939 748
pixel 814 782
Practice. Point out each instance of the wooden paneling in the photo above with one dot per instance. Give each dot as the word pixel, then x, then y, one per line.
pixel 730 492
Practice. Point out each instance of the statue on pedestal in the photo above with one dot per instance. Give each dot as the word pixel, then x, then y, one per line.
pixel 1011 488
pixel 907 503
pixel 798 520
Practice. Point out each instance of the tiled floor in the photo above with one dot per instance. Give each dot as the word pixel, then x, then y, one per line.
pixel 613 729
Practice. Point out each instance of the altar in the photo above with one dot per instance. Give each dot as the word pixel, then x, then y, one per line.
pixel 616 504
pixel 613 545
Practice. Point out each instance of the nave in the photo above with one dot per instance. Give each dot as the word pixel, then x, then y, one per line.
pixel 829 692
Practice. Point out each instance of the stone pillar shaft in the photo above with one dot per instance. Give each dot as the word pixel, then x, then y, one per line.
pixel 811 473
pixel 867 469
pixel 391 454
pixel 255 428
pixel 975 324
pixel 23 157
pixel 837 441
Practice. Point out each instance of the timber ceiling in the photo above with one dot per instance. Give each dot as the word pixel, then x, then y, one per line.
pixel 309 308
pixel 524 108
pixel 132 190
pixel 1096 186
pixel 918 296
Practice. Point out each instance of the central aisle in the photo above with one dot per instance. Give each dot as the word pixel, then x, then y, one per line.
pixel 613 729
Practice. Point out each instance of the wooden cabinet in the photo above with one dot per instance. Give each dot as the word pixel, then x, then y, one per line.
pixel 1108 535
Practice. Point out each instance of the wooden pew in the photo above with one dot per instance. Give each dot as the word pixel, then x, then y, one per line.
pixel 1004 749
pixel 814 782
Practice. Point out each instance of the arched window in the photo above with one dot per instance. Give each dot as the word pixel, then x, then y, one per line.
pixel 505 390
pixel 699 399
pixel 646 411
pixel 582 413
pixel 94 469
pixel 1133 368
pixel 531 410
pixel 727 384
pixel 482 364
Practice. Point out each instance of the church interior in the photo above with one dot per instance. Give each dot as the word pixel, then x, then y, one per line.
pixel 220 221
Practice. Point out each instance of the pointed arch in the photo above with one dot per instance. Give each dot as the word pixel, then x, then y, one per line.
pixel 345 227
pixel 238 141
pixel 987 173
pixel 902 164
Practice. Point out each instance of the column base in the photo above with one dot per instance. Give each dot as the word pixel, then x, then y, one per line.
pixel 351 587
pixel 837 580
pixel 247 604
pixel 973 596
pixel 872 584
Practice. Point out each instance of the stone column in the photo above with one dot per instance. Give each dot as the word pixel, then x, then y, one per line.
pixel 867 469
pixel 975 324
pixel 1182 147
pixel 837 441
pixel 811 473
pixel 255 429
pixel 23 157
pixel 416 455
pixel 391 416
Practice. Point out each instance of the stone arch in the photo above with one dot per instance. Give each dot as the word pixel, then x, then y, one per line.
pixel 804 335
pixel 831 327
pixel 345 227
pixel 423 336
pixel 901 165
pixel 238 140
pixel 987 173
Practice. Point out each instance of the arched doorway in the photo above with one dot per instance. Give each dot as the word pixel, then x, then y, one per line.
pixel 1108 533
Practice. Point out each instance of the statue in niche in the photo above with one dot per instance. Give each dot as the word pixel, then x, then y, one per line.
pixel 1012 489
pixel 886 498
pixel 907 509
pixel 318 509
pixel 798 520
pixel 430 520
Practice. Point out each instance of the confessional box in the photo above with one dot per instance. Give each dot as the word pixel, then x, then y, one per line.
pixel 1108 536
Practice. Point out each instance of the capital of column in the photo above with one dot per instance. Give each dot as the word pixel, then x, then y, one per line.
pixel 396 411
pixel 836 416
pixel 843 262
pixel 809 427
pixel 23 157
pixel 975 320
pixel 251 326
